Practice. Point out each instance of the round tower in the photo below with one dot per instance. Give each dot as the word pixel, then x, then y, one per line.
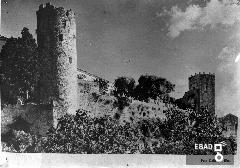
pixel 204 84
pixel 56 37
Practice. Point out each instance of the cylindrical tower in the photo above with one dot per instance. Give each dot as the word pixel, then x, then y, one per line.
pixel 205 85
pixel 56 37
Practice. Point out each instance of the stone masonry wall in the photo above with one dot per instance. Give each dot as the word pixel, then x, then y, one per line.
pixel 39 117
pixel 56 36
pixel 205 83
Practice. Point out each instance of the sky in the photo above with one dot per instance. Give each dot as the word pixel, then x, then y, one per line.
pixel 168 38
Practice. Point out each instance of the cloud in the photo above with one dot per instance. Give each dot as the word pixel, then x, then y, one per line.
pixel 226 57
pixel 229 95
pixel 224 12
pixel 181 21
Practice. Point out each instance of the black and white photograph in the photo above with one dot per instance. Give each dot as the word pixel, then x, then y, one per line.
pixel 135 77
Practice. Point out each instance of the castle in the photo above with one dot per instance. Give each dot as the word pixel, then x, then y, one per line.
pixel 201 94
pixel 56 38
pixel 61 83
pixel 60 79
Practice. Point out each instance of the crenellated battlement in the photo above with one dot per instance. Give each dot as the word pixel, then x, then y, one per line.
pixel 55 11
pixel 45 8
pixel 203 74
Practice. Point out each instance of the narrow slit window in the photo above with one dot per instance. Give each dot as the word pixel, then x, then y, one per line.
pixel 64 23
pixel 60 37
pixel 70 60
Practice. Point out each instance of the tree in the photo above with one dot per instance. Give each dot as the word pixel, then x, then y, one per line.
pixel 83 134
pixel 188 127
pixel 19 68
pixel 103 85
pixel 152 87
pixel 123 90
pixel 20 141
pixel 124 87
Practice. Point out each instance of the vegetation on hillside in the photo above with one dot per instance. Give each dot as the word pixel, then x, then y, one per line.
pixel 19 68
pixel 148 87
pixel 139 117
pixel 82 133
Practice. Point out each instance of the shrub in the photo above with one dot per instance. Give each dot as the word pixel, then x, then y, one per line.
pixel 83 133
pixel 23 142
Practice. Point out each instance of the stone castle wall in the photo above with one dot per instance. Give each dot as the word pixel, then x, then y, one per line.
pixel 61 88
pixel 38 117
pixel 56 37
pixel 205 84
pixel 2 42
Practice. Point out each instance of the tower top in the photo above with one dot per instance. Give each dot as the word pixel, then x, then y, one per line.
pixel 202 74
pixel 3 38
pixel 49 7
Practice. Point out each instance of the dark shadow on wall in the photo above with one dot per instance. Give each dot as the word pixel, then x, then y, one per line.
pixel 19 124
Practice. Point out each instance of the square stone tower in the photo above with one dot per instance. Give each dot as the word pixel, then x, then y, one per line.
pixel 56 38
pixel 204 84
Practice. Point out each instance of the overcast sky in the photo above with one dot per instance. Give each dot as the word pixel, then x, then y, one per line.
pixel 168 38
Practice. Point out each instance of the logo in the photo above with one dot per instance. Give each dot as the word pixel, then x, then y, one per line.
pixel 216 159
pixel 218 149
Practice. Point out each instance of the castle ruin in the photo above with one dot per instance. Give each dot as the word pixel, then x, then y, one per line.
pixel 201 94
pixel 61 83
pixel 56 38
